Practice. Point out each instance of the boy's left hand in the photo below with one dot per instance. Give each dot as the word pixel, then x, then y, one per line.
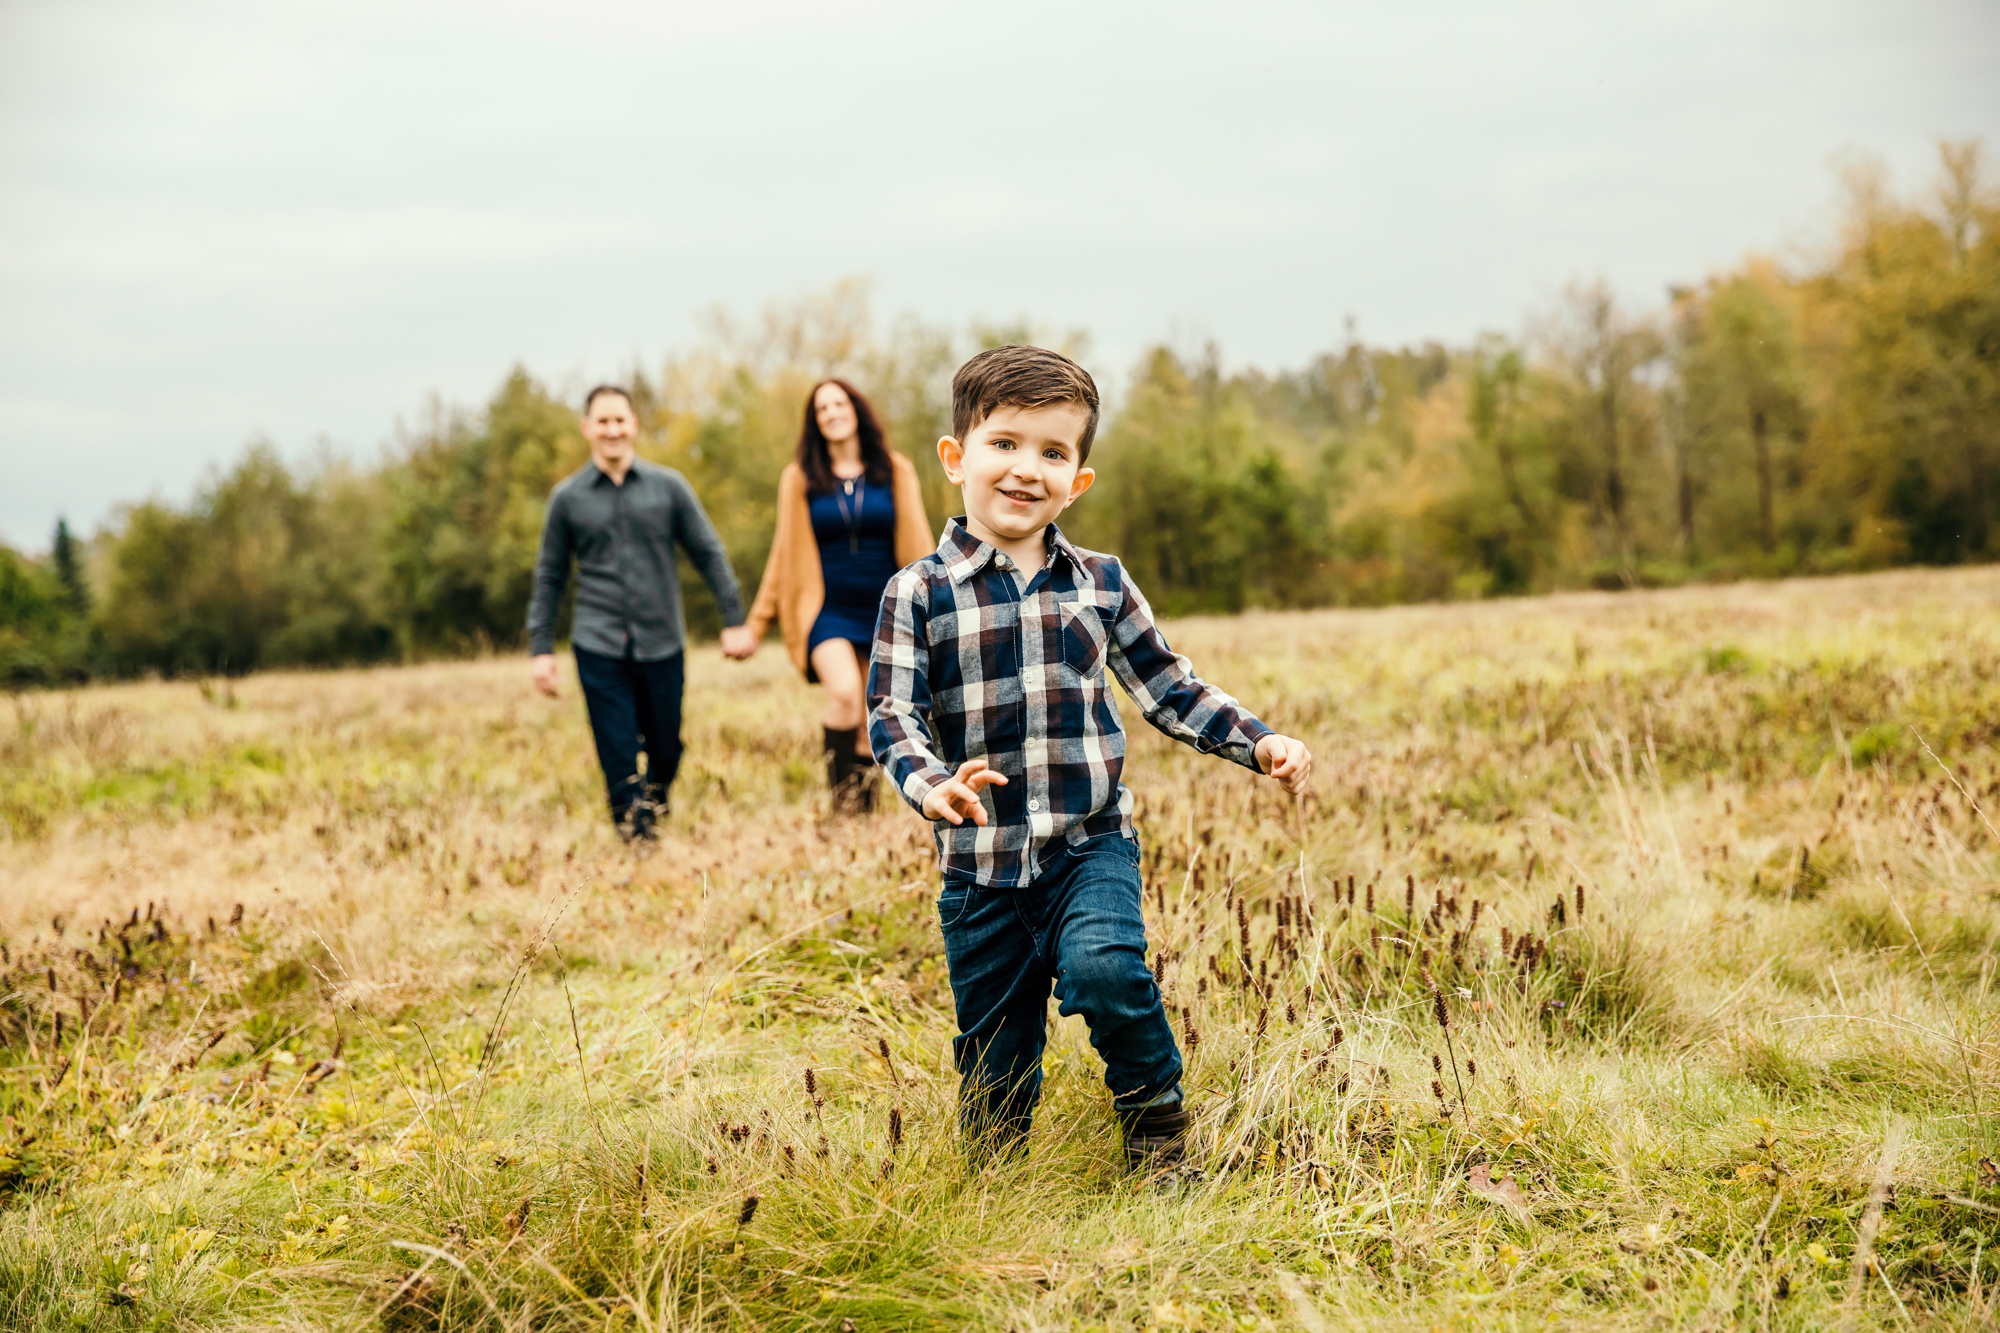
pixel 1287 760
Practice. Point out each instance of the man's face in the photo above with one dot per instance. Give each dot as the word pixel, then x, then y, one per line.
pixel 1019 468
pixel 611 429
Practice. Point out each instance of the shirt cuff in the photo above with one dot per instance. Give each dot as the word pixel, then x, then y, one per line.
pixel 1253 731
pixel 917 787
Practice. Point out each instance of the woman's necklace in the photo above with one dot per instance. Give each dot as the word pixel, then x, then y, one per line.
pixel 858 488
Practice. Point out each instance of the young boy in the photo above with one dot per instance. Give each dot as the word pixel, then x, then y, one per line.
pixel 992 714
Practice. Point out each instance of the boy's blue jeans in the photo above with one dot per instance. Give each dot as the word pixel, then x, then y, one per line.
pixel 1078 926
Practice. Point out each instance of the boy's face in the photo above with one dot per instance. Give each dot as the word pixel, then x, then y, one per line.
pixel 1018 469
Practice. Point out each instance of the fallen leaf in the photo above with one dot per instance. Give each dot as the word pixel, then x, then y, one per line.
pixel 187 1242
pixel 1505 1192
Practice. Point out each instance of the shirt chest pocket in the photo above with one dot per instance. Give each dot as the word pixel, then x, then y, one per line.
pixel 649 508
pixel 1083 637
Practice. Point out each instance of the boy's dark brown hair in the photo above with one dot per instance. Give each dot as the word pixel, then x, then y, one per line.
pixel 1021 377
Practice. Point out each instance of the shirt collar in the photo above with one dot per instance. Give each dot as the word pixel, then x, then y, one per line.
pixel 965 555
pixel 599 477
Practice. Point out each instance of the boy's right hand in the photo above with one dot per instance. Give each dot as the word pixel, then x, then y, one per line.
pixel 956 799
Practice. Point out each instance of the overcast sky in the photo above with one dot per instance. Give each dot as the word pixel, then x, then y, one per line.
pixel 229 220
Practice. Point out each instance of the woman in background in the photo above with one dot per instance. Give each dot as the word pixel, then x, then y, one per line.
pixel 849 516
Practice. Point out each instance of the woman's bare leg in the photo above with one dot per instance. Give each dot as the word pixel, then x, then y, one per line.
pixel 839 671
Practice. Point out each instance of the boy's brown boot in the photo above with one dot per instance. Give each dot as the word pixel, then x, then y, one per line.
pixel 1156 1137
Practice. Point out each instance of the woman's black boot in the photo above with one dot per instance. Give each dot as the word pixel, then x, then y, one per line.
pixel 864 782
pixel 840 764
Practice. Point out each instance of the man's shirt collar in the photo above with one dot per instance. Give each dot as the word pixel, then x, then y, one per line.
pixel 599 477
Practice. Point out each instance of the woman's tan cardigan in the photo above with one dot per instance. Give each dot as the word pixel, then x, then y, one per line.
pixel 794 589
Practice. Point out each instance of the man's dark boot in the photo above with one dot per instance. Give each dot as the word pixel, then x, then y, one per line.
pixel 1156 1137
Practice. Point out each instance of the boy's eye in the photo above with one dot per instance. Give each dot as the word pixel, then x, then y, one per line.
pixel 1053 455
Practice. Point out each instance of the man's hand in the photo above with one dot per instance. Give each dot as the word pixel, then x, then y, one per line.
pixel 1287 760
pixel 958 798
pixel 738 643
pixel 543 666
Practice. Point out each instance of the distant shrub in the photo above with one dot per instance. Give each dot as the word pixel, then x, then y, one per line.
pixel 1725 660
pixel 1884 739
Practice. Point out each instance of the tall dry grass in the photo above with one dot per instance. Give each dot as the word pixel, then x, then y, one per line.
pixel 1701 885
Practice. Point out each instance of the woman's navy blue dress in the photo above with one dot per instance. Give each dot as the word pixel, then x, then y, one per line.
pixel 857 558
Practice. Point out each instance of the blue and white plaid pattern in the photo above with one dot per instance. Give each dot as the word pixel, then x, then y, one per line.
pixel 967 666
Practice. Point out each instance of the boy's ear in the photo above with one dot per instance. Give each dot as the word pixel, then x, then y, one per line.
pixel 1085 477
pixel 951 454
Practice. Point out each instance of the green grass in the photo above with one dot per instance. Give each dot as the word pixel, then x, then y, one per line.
pixel 461 1063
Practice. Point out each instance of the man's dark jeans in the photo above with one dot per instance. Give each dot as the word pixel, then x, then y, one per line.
pixel 634 706
pixel 1080 926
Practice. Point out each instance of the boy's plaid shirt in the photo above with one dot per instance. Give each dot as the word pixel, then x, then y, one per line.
pixel 968 666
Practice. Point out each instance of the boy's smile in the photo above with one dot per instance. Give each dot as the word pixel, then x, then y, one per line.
pixel 1019 468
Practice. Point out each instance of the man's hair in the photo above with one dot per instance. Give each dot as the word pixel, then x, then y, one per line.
pixel 1021 377
pixel 603 389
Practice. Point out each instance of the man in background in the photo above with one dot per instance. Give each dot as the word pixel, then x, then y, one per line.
pixel 620 517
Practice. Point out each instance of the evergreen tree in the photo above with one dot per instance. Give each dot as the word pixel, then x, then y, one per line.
pixel 68 561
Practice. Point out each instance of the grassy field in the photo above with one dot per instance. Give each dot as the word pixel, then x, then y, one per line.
pixel 330 1001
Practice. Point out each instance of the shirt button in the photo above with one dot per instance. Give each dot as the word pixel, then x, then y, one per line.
pixel 1034 805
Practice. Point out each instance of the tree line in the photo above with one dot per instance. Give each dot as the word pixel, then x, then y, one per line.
pixel 1774 419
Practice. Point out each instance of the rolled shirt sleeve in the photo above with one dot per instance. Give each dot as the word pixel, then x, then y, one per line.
pixel 698 538
pixel 899 692
pixel 551 576
pixel 1170 696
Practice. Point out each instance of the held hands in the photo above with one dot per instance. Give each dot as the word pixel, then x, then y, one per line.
pixel 738 643
pixel 1287 760
pixel 543 669
pixel 954 800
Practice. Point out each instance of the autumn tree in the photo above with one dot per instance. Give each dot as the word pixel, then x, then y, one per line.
pixel 1599 355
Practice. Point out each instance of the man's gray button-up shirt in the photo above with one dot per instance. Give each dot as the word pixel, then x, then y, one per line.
pixel 628 587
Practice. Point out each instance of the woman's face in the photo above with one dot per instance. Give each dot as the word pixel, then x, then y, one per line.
pixel 835 411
